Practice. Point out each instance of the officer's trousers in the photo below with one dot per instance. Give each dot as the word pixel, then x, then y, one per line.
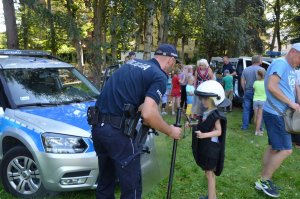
pixel 113 149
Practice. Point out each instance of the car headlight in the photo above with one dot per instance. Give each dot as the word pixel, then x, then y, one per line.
pixel 60 143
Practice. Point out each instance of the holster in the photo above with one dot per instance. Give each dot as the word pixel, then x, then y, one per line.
pixel 131 120
pixel 93 115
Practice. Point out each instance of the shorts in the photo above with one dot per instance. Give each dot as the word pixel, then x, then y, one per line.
pixel 229 94
pixel 278 138
pixel 258 104
pixel 189 109
pixel 168 92
pixel 176 93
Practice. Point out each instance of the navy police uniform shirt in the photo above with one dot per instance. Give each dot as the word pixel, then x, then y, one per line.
pixel 229 67
pixel 131 84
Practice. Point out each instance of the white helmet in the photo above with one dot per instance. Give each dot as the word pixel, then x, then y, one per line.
pixel 213 89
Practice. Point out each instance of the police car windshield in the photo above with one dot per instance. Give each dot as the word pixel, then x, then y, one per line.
pixel 48 86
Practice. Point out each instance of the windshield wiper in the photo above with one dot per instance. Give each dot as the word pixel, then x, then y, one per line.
pixel 40 104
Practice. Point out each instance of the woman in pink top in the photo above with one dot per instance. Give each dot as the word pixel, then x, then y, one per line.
pixel 203 73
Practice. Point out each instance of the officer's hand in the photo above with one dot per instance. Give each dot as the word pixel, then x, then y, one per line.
pixel 295 106
pixel 175 132
pixel 200 135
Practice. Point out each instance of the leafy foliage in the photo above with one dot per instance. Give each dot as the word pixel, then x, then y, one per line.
pixel 101 29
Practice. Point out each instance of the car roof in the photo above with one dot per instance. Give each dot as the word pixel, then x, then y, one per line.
pixel 14 62
pixel 267 59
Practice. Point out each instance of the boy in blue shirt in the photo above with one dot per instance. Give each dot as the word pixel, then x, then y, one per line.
pixel 228 87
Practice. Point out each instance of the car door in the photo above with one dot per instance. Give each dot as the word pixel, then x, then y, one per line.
pixel 238 91
pixel 265 65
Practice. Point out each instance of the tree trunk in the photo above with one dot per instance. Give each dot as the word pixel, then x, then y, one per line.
pixel 164 22
pixel 25 24
pixel 11 25
pixel 113 31
pixel 75 36
pixel 182 48
pixel 139 36
pixel 175 41
pixel 52 30
pixel 79 54
pixel 273 39
pixel 95 46
pixel 277 11
pixel 149 31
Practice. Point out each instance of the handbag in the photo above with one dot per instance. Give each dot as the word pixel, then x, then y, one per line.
pixel 291 119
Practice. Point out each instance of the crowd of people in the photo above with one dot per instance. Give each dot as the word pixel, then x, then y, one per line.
pixel 267 94
pixel 265 105
pixel 184 79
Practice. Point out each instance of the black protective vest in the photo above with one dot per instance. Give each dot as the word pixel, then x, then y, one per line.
pixel 210 155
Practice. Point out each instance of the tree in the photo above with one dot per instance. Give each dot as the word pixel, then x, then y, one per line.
pixel 164 22
pixel 283 22
pixel 10 23
pixel 52 30
pixel 150 12
pixel 75 34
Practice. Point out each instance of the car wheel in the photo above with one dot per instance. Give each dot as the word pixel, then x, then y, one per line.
pixel 20 174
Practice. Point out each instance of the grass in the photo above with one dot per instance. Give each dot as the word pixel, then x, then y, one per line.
pixel 242 168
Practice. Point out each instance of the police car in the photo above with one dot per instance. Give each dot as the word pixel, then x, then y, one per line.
pixel 45 141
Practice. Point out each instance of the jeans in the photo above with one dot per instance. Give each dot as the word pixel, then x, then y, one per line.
pixel 113 148
pixel 247 108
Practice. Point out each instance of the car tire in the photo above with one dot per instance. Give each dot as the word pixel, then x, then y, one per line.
pixel 20 175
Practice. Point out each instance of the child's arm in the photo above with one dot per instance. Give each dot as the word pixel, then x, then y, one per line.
pixel 215 133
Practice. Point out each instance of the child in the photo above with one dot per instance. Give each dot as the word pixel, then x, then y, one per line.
pixel 259 99
pixel 228 87
pixel 175 93
pixel 190 89
pixel 209 135
pixel 165 97
pixel 219 76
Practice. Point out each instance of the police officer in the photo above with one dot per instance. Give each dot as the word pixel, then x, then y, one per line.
pixel 141 84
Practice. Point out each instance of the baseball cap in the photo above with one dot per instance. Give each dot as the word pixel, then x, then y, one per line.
pixel 296 46
pixel 167 50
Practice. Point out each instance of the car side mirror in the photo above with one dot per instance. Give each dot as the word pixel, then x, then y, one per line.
pixel 1 112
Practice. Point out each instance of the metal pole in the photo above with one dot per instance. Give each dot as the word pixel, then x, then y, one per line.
pixel 177 124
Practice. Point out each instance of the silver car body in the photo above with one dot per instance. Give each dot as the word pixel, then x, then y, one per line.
pixel 27 125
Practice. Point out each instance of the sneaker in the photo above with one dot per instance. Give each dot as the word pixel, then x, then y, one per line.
pixel 173 113
pixel 164 113
pixel 258 133
pixel 267 187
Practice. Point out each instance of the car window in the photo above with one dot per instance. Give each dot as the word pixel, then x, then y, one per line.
pixel 248 63
pixel 2 97
pixel 265 65
pixel 239 67
pixel 48 85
